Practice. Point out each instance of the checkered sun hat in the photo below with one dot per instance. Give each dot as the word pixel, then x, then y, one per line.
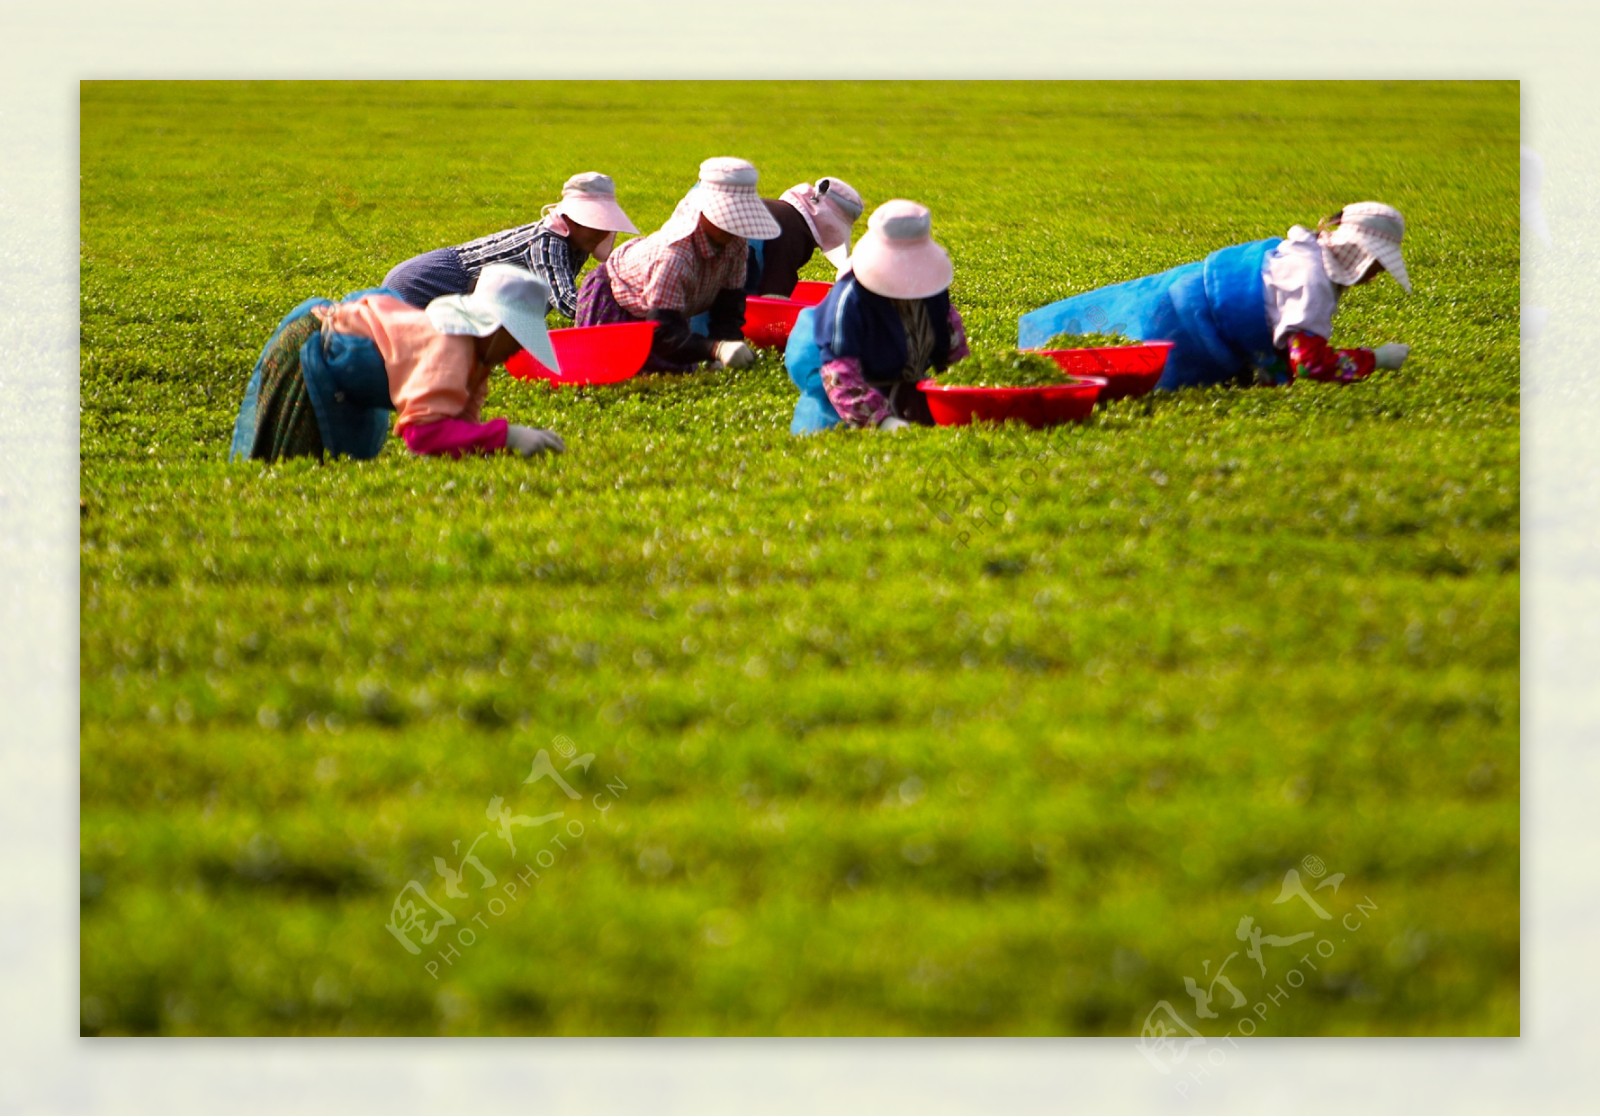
pixel 726 195
pixel 1360 234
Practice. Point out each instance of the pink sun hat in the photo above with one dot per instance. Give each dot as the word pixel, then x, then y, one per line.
pixel 831 209
pixel 590 199
pixel 897 257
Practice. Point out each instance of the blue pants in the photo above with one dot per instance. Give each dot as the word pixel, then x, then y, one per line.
pixel 424 278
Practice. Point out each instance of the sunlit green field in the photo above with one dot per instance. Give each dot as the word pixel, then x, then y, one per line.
pixel 977 731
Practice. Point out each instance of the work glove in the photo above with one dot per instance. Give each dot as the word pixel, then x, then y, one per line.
pixel 529 441
pixel 892 423
pixel 1392 355
pixel 734 354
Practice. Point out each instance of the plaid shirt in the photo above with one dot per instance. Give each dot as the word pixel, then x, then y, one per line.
pixel 684 275
pixel 544 252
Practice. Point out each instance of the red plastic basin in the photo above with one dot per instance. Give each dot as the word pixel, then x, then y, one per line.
pixel 810 292
pixel 1129 370
pixel 767 322
pixel 589 354
pixel 956 405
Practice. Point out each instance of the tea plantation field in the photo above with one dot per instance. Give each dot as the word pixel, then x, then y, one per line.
pixel 701 729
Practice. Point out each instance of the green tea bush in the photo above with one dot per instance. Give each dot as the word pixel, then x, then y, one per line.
pixel 1008 368
pixel 1088 341
pixel 970 731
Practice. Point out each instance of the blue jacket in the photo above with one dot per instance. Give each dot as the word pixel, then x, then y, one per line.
pixel 1214 312
pixel 853 322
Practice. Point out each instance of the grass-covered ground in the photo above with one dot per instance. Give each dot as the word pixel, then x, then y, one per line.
pixel 873 752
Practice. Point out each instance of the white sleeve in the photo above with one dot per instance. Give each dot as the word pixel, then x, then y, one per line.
pixel 1299 294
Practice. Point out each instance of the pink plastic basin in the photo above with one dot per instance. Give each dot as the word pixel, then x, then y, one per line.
pixel 956 405
pixel 767 322
pixel 589 354
pixel 1129 370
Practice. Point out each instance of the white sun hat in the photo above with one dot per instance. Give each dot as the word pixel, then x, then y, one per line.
pixel 726 195
pixel 831 208
pixel 1360 234
pixel 508 296
pixel 897 257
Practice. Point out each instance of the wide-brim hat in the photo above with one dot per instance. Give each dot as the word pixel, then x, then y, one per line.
pixel 590 199
pixel 1364 232
pixel 831 209
pixel 897 257
pixel 726 196
pixel 508 296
